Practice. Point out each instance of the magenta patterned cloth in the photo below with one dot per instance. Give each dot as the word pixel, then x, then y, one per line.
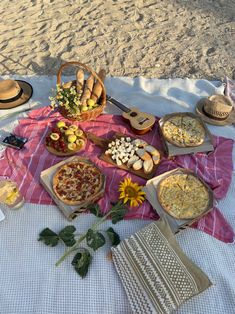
pixel 25 166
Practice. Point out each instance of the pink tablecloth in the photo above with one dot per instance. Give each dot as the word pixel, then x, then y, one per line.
pixel 25 166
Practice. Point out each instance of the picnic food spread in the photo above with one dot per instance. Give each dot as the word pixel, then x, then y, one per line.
pixel 76 182
pixel 183 196
pixel 184 131
pixel 80 183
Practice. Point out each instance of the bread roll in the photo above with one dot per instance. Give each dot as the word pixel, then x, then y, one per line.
pixel 148 166
pixel 152 150
pixel 138 165
pixel 156 159
pixel 132 160
pixel 143 154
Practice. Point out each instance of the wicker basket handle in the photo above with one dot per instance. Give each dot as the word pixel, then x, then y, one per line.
pixel 79 64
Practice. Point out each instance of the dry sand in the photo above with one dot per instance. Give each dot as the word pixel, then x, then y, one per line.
pixel 152 38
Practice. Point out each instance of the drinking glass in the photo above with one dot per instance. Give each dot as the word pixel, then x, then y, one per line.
pixel 10 194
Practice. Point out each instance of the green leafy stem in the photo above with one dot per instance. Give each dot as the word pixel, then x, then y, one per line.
pixel 94 238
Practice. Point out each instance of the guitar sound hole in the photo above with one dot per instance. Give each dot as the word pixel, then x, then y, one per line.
pixel 143 121
pixel 133 114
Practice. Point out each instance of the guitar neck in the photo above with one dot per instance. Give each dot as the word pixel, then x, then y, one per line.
pixel 118 104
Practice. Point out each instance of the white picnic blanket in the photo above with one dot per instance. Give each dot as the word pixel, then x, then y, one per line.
pixel 31 284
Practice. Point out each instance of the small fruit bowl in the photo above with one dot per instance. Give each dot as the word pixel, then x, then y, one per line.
pixel 65 139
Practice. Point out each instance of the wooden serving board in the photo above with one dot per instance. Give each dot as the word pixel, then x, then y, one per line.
pixel 103 143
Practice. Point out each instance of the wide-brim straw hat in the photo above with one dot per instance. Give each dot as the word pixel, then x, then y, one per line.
pixel 216 110
pixel 14 93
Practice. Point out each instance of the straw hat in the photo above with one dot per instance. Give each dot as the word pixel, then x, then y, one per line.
pixel 14 93
pixel 217 110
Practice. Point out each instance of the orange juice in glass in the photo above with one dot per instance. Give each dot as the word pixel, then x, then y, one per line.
pixel 10 194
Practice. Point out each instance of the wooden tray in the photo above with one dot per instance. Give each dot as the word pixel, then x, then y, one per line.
pixel 69 211
pixel 103 143
pixel 151 194
pixel 173 150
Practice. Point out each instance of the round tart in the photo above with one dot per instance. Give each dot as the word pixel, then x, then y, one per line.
pixel 183 196
pixel 184 131
pixel 77 182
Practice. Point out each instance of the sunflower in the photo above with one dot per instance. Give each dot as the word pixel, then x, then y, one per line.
pixel 130 191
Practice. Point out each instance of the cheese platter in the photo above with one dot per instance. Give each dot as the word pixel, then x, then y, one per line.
pixel 131 154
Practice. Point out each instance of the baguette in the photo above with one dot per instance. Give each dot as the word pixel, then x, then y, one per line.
pixel 97 89
pixel 79 80
pixel 138 164
pixel 143 154
pixel 148 166
pixel 87 90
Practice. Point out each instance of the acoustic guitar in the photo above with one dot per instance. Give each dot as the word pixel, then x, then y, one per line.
pixel 140 122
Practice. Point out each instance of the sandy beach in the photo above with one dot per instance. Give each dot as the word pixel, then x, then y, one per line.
pixel 150 38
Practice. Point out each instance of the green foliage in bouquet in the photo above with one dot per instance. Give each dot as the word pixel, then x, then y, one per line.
pixel 71 101
pixel 67 98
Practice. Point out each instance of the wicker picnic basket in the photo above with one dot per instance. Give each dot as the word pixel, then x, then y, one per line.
pixel 90 114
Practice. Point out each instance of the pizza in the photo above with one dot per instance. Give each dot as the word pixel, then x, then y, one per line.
pixel 184 131
pixel 183 196
pixel 77 182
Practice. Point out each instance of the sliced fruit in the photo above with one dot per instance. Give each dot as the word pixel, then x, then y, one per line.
pixel 80 142
pixel 63 129
pixel 90 102
pixel 72 146
pixel 72 138
pixel 73 127
pixel 60 124
pixel 79 133
pixel 69 132
pixel 54 136
pixel 84 108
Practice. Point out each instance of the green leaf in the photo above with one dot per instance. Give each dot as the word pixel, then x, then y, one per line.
pixel 49 237
pixel 82 261
pixel 95 210
pixel 113 236
pixel 118 211
pixel 67 235
pixel 94 239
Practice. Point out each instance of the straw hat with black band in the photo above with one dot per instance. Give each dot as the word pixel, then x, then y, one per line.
pixel 216 110
pixel 14 93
